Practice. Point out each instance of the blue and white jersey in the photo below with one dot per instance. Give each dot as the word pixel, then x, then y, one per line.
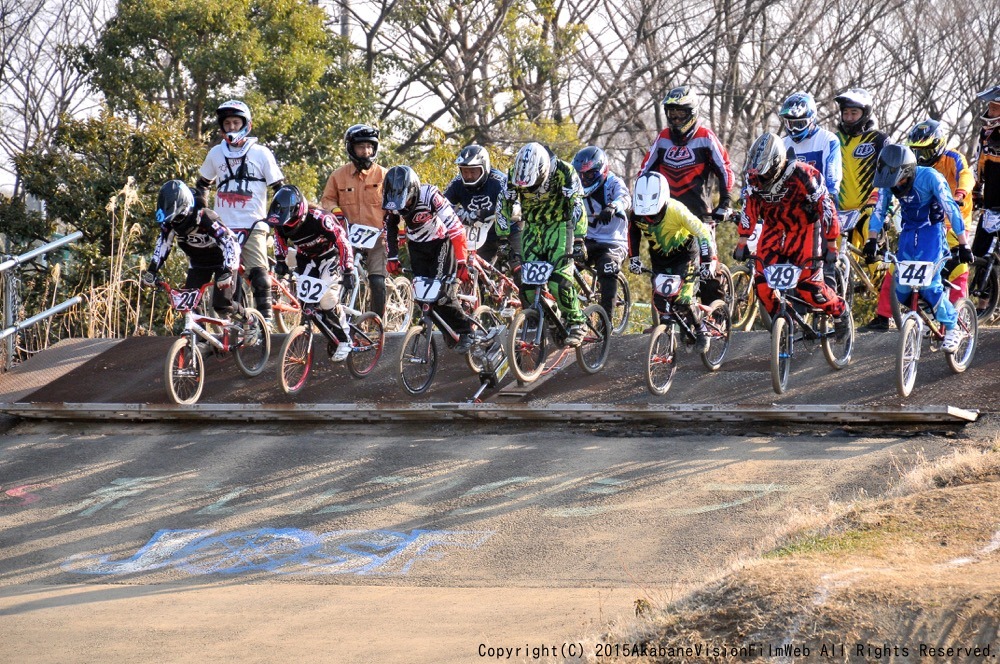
pixel 928 203
pixel 613 194
pixel 821 150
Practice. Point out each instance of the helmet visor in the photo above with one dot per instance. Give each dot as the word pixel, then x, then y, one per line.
pixel 926 154
pixel 796 125
pixel 589 178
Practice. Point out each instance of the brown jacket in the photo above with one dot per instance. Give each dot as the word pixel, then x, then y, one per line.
pixel 358 194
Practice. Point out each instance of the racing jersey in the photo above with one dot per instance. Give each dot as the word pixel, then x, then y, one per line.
pixel 614 194
pixel 859 156
pixel 319 234
pixel 671 233
pixel 986 162
pixel 688 166
pixel 821 150
pixel 557 201
pixel 432 218
pixel 797 214
pixel 209 244
pixel 480 205
pixel 929 201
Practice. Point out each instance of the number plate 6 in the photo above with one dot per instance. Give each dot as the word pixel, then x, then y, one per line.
pixel 782 276
pixel 667 285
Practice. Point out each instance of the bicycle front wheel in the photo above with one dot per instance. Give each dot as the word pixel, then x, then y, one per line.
pixel 418 360
pixel 526 346
pixel 295 359
pixel 781 353
pixel 661 359
pixel 592 353
pixel 184 372
pixel 907 356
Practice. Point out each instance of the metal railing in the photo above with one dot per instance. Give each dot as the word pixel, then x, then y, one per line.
pixel 11 327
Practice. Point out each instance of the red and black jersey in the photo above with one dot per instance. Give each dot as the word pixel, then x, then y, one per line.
pixel 318 235
pixel 797 214
pixel 689 164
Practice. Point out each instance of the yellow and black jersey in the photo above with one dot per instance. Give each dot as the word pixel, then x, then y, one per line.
pixel 859 155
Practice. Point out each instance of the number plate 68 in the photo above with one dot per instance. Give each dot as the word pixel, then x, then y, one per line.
pixel 536 273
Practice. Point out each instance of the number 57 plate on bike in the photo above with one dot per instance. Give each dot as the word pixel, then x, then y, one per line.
pixel 311 289
pixel 782 276
pixel 536 273
pixel 915 274
pixel 363 237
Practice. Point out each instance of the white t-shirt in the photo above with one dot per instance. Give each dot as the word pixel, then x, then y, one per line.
pixel 242 178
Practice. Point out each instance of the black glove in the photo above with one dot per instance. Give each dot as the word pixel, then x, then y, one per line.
pixel 871 246
pixel 579 250
pixel 503 251
pixel 741 253
pixel 280 269
pixel 720 213
pixel 604 216
pixel 348 281
pixel 148 279
pixel 964 254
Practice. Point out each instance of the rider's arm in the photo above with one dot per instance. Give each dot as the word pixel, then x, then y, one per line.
pixel 335 228
pixel 280 246
pixel 331 194
pixel 454 229
pixel 748 217
pixel 577 220
pixel 652 158
pixel 878 216
pixel 634 238
pixel 942 193
pixel 212 225
pixel 678 213
pixel 164 244
pixel 833 168
pixel 201 188
pixel 621 200
pixel 723 170
pixel 391 220
pixel 505 210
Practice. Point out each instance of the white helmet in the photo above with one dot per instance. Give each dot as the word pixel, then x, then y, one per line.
pixel 531 167
pixel 650 194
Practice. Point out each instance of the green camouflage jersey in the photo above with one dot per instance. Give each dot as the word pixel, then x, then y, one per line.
pixel 551 217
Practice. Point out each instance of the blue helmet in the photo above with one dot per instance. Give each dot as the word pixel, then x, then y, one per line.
pixel 799 114
pixel 591 165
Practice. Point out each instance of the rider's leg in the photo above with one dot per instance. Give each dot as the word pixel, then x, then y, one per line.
pixel 557 243
pixel 814 290
pixel 607 262
pixel 254 258
pixel 222 300
pixel 375 262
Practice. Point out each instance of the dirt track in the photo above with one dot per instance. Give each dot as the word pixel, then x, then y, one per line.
pixel 131 372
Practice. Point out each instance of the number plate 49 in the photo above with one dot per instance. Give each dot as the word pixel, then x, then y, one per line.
pixel 782 276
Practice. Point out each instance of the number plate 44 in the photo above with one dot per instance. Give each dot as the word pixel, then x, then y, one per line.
pixel 915 274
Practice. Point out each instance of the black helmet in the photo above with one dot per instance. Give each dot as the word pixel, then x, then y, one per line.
pixel 288 207
pixel 474 157
pixel 174 204
pixel 235 109
pixel 854 98
pixel 897 165
pixel 766 160
pixel 400 190
pixel 361 133
pixel 591 164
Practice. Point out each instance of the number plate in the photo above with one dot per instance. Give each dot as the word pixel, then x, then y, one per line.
pixel 667 285
pixel 536 273
pixel 915 274
pixel 310 290
pixel 848 220
pixel 476 234
pixel 782 276
pixel 185 299
pixel 363 237
pixel 426 289
pixel 754 237
pixel 990 221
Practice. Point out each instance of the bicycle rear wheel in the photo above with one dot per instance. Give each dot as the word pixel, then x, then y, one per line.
pixel 661 359
pixel 984 289
pixel 287 312
pixel 295 359
pixel 726 288
pixel 487 320
pixel 719 327
pixel 184 372
pixel 781 353
pixel 526 346
pixel 967 322
pixel 418 360
pixel 838 353
pixel 253 353
pixel 398 304
pixel 907 356
pixel 592 354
